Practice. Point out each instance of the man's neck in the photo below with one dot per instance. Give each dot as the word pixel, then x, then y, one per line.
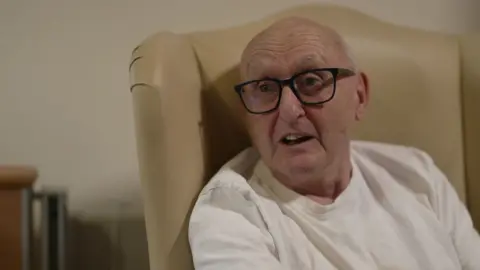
pixel 334 180
pixel 334 191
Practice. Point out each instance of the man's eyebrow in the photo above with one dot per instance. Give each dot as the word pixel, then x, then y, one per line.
pixel 260 76
pixel 257 71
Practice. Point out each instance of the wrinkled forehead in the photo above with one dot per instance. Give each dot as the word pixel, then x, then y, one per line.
pixel 289 50
pixel 282 63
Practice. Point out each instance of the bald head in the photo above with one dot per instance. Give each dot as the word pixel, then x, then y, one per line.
pixel 301 129
pixel 300 40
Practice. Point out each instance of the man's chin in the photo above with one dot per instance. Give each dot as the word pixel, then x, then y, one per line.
pixel 300 164
pixel 297 163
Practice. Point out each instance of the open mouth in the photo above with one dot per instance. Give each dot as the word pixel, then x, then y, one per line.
pixel 292 139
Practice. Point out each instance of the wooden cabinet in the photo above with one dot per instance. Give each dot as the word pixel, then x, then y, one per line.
pixel 15 216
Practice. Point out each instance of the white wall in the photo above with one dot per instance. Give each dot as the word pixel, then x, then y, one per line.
pixel 64 99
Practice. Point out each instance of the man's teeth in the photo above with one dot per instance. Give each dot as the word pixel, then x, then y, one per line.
pixel 292 137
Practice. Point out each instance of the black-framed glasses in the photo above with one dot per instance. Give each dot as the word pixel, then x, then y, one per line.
pixel 311 87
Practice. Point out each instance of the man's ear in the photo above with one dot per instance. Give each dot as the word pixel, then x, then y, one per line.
pixel 363 95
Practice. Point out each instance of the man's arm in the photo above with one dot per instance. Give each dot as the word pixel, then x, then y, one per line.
pixel 227 232
pixel 454 215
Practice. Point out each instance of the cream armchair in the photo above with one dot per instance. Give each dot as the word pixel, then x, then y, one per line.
pixel 425 90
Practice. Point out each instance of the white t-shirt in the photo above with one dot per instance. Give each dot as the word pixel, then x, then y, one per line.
pixel 398 212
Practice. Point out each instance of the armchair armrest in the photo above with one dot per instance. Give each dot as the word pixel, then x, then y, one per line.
pixel 166 88
pixel 17 177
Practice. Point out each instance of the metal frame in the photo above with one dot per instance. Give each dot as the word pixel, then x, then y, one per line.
pixel 27 226
pixel 53 230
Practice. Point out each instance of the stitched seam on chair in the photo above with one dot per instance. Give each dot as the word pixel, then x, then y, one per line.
pixel 133 62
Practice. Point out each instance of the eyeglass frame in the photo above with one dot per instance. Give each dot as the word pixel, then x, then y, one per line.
pixel 290 82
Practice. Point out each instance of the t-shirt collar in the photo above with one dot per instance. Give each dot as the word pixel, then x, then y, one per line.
pixel 289 198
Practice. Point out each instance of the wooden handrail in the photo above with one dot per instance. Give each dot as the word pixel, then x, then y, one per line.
pixel 17 176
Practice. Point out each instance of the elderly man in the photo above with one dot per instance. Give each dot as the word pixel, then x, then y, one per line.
pixel 306 196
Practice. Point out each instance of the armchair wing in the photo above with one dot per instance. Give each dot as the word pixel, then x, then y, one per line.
pixel 166 88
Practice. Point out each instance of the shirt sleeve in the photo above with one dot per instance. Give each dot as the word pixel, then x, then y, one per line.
pixel 454 215
pixel 227 232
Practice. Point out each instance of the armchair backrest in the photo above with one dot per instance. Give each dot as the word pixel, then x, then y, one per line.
pixel 188 118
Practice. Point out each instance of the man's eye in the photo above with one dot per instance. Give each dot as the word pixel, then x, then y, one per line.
pixel 266 87
pixel 311 81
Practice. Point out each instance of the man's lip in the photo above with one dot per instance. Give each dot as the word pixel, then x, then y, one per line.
pixel 299 134
pixel 298 141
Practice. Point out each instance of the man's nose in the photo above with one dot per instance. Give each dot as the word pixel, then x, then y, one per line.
pixel 290 108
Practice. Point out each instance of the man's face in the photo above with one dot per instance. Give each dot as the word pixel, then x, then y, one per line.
pixel 327 125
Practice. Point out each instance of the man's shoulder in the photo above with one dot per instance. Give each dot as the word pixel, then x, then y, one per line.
pixel 228 190
pixel 397 167
pixel 392 156
pixel 235 173
pixel 228 204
